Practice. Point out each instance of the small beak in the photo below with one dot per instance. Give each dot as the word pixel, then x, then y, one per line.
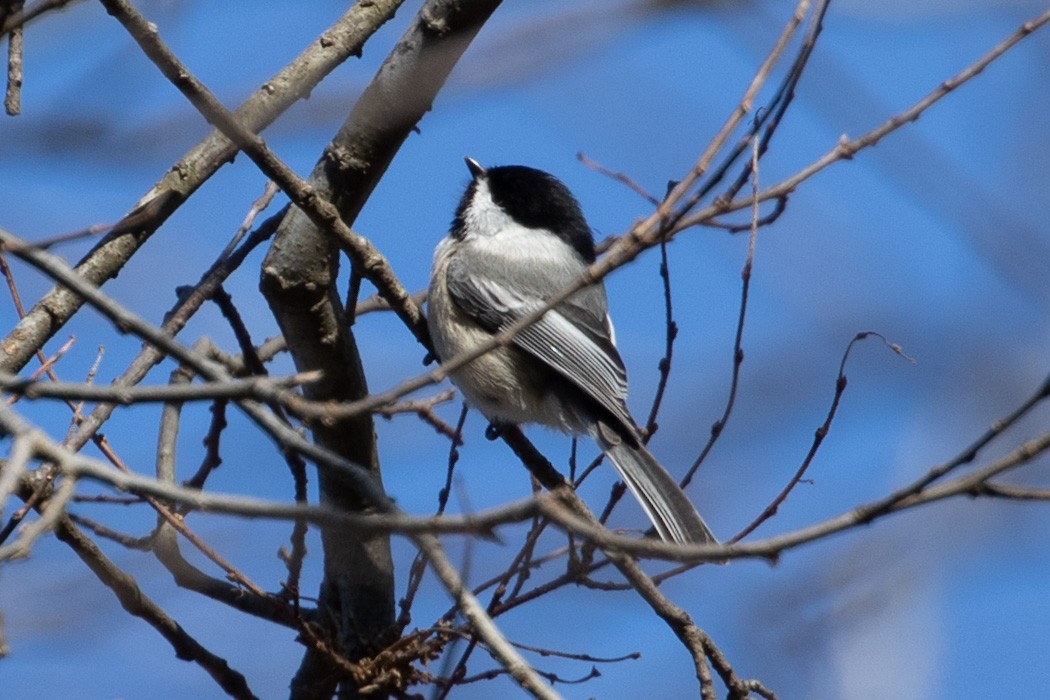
pixel 475 168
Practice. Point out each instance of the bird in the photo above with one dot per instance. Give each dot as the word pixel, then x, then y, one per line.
pixel 519 237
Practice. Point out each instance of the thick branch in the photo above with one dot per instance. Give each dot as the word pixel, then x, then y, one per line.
pixel 301 268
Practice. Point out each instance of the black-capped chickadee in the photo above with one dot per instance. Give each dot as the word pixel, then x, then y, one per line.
pixel 518 238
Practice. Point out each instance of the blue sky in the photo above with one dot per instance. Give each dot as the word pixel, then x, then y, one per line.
pixel 936 238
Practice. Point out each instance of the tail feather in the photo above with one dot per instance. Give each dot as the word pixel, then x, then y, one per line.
pixel 667 506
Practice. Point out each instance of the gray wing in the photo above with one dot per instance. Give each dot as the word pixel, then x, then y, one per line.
pixel 573 339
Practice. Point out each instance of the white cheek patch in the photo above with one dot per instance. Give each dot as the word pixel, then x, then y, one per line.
pixel 484 217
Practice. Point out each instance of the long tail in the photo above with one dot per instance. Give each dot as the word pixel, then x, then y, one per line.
pixel 667 506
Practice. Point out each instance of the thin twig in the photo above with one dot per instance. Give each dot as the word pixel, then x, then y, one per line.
pixel 622 178
pixel 1012 493
pixel 418 568
pixel 261 388
pixel 258 207
pixel 738 339
pixel 212 441
pixel 104 531
pixel 424 410
pixel 818 437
